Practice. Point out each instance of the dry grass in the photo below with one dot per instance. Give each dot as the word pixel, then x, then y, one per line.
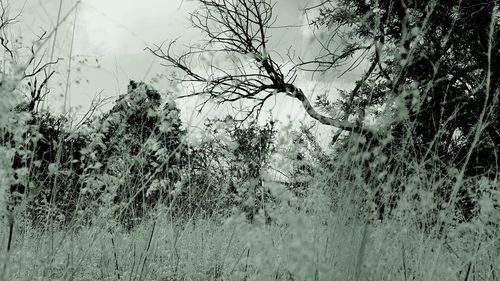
pixel 319 245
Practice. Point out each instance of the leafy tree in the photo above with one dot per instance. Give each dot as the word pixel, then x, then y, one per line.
pixel 253 147
pixel 54 169
pixel 137 153
pixel 207 172
pixel 46 166
pixel 432 69
pixel 309 160
pixel 226 169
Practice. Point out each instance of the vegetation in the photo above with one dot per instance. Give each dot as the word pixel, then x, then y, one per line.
pixel 407 188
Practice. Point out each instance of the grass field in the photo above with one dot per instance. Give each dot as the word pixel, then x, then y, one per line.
pixel 298 245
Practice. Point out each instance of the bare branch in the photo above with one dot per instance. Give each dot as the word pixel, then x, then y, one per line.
pixel 34 69
pixel 238 30
pixel 5 21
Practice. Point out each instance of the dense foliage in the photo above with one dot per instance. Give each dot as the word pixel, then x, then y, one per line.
pixel 125 162
pixel 131 155
pixel 432 87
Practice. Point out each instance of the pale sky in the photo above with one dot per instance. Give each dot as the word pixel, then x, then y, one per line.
pixel 109 42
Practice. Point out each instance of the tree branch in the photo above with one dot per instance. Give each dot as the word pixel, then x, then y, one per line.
pixel 238 29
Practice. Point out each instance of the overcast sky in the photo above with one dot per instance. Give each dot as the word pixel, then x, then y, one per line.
pixel 110 37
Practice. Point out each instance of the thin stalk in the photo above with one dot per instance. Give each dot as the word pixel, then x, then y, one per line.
pixel 69 62
pixel 52 51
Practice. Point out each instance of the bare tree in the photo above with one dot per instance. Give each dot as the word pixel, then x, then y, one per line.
pixel 36 72
pixel 29 63
pixel 238 30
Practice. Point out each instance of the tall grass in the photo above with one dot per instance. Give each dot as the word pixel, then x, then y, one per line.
pixel 310 238
pixel 317 245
